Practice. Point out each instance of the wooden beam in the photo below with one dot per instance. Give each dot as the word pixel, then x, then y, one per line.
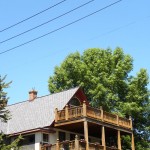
pixel 101 123
pixel 119 140
pixel 86 137
pixel 68 122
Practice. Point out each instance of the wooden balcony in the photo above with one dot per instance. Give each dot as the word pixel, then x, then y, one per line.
pixel 75 145
pixel 79 112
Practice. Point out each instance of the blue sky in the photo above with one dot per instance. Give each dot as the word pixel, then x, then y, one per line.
pixel 126 24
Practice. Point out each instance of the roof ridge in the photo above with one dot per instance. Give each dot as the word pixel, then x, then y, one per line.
pixel 44 96
pixel 66 90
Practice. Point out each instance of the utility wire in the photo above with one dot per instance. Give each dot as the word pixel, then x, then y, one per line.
pixel 11 26
pixel 46 22
pixel 60 27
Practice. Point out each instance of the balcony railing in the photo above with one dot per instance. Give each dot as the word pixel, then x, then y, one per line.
pixel 72 145
pixel 77 112
pixel 75 145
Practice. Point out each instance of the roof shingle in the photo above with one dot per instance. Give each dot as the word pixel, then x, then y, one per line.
pixel 37 113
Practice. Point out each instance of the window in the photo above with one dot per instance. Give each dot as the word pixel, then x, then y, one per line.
pixel 72 137
pixel 74 102
pixel 45 138
pixel 62 136
pixel 27 140
pixel 31 139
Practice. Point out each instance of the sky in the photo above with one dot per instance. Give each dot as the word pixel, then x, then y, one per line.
pixel 125 24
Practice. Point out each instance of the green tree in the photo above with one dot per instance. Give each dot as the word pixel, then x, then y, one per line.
pixel 4 114
pixel 4 117
pixel 105 76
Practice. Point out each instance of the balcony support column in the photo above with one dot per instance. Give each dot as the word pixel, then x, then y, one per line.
pixel 86 137
pixel 119 140
pixel 103 137
pixel 132 142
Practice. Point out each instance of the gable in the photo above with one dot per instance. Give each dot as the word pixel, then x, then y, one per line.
pixel 80 96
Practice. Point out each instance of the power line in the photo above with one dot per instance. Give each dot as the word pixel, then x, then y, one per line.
pixel 11 26
pixel 60 27
pixel 46 22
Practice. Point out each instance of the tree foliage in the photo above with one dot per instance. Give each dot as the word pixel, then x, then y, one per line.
pixel 4 117
pixel 105 77
pixel 4 144
pixel 4 114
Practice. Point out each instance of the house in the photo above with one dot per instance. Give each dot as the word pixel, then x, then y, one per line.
pixel 65 120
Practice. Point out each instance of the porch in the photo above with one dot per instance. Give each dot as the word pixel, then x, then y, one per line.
pixel 93 122
pixel 75 145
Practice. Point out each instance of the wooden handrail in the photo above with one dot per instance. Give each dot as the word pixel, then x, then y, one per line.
pixel 108 117
pixel 124 122
pixel 94 113
pixel 111 148
pixel 61 115
pixel 75 112
pixel 97 146
pixel 51 146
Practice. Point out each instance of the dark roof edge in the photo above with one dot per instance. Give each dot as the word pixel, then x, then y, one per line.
pixel 42 129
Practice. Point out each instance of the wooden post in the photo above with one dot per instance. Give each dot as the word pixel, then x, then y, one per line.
pixel 119 140
pixel 86 137
pixel 42 148
pixel 132 142
pixel 101 109
pixel 130 118
pixel 117 120
pixel 57 145
pixel 103 138
pixel 76 143
pixel 66 112
pixel 84 109
pixel 56 115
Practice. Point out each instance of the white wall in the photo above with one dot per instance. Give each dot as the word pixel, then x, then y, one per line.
pixel 53 138
pixel 38 139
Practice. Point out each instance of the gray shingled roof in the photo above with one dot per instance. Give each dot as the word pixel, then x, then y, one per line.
pixel 38 113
